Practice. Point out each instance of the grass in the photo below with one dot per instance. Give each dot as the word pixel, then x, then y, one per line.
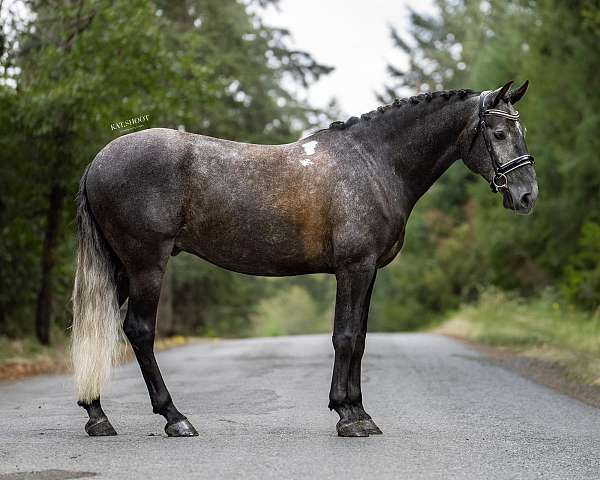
pixel 541 328
pixel 27 349
pixel 25 357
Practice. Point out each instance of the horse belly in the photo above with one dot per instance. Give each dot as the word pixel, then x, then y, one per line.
pixel 272 235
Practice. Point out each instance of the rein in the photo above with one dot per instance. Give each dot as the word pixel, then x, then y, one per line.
pixel 499 180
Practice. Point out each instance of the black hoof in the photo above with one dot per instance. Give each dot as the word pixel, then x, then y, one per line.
pixel 370 427
pixel 351 429
pixel 99 428
pixel 182 428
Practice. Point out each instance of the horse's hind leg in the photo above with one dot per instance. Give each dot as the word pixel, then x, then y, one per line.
pixel 98 424
pixel 139 327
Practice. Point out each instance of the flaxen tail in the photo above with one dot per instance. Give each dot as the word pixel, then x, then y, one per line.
pixel 96 318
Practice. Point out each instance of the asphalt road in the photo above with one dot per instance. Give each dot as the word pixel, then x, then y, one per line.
pixel 261 409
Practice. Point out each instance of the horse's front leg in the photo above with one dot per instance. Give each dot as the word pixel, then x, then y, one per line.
pixel 354 380
pixel 353 284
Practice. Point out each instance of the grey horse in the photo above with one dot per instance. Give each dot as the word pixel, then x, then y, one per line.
pixel 334 202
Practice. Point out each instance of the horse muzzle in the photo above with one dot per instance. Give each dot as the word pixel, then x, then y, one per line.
pixel 521 200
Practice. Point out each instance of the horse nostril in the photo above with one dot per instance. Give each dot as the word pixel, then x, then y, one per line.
pixel 526 199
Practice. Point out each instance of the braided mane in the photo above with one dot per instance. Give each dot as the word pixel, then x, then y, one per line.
pixel 398 103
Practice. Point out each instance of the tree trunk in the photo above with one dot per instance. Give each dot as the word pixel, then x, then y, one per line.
pixel 46 291
pixel 2 320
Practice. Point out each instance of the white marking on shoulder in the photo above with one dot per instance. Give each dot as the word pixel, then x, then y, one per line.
pixel 309 147
pixel 306 162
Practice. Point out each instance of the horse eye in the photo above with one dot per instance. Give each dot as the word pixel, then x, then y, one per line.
pixel 499 134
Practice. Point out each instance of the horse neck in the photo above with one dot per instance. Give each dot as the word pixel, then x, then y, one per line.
pixel 421 141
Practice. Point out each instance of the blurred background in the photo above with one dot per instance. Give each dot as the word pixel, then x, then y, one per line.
pixel 269 71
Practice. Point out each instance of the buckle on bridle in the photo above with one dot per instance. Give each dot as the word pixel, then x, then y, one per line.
pixel 499 182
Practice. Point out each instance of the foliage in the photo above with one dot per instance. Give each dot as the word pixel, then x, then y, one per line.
pixel 288 312
pixel 540 327
pixel 211 301
pixel 582 274
pixel 460 240
pixel 68 70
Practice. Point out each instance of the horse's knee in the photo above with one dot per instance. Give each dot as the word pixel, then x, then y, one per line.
pixel 344 342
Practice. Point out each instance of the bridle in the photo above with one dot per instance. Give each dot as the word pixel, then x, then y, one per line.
pixel 499 181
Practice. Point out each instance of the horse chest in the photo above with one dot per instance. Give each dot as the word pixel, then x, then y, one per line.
pixel 391 253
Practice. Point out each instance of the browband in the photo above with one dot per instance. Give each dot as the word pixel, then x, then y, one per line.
pixel 502 113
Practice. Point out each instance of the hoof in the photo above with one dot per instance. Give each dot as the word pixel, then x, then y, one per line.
pixel 182 428
pixel 351 429
pixel 370 427
pixel 99 428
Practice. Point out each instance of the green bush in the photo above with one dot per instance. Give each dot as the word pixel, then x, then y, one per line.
pixel 289 312
pixel 582 274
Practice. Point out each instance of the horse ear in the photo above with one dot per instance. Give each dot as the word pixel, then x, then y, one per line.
pixel 517 94
pixel 500 94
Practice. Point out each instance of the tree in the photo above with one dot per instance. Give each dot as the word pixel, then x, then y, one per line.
pixel 78 66
pixel 482 44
